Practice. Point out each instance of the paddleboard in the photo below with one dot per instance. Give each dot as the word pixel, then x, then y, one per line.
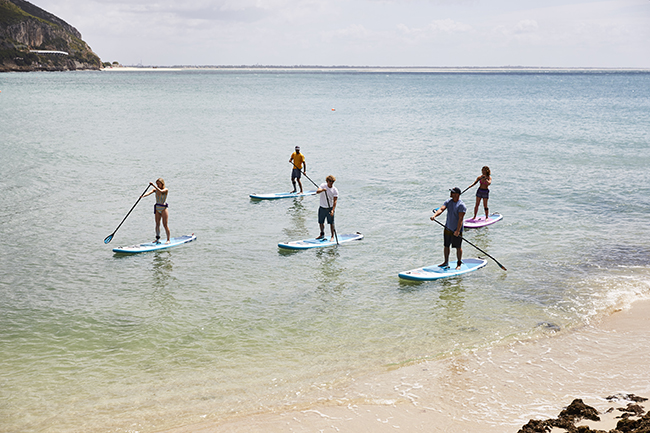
pixel 152 246
pixel 482 221
pixel 429 273
pixel 320 243
pixel 281 195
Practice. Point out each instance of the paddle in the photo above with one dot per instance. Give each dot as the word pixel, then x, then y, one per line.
pixel 497 262
pixel 336 236
pixel 110 237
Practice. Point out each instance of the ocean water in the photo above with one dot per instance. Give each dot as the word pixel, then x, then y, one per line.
pixel 230 324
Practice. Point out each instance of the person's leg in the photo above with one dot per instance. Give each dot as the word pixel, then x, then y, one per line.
pixel 478 201
pixel 165 218
pixel 330 220
pixel 300 184
pixel 485 205
pixel 446 262
pixel 158 217
pixel 459 257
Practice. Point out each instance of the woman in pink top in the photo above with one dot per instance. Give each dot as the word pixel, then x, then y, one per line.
pixel 484 181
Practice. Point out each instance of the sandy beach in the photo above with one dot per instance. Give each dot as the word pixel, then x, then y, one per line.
pixel 495 389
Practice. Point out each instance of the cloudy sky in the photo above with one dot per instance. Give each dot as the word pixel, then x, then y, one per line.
pixel 553 33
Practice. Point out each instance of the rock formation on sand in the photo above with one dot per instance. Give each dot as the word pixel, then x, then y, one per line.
pixel 633 418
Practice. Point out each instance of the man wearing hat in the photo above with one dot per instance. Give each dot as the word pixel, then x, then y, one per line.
pixel 456 210
pixel 298 161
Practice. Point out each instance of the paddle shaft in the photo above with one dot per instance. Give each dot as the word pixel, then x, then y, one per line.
pixel 110 237
pixel 496 261
pixel 326 197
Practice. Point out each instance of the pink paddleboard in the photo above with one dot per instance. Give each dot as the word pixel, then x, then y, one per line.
pixel 482 221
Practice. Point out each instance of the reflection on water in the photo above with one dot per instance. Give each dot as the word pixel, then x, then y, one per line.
pixel 297 222
pixel 161 268
pixel 162 300
pixel 330 269
pixel 451 302
pixel 480 238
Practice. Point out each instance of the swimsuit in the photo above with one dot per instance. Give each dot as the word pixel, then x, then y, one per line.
pixel 483 191
pixel 160 207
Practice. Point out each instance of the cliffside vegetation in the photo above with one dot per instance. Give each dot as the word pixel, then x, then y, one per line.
pixel 25 27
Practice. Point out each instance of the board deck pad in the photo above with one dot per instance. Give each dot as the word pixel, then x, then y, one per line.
pixel 274 196
pixel 429 273
pixel 152 246
pixel 482 221
pixel 320 243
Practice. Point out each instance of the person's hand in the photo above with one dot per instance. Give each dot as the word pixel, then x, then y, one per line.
pixel 433 217
pixel 457 233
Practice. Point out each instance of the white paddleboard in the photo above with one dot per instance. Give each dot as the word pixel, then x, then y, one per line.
pixel 429 273
pixel 320 243
pixel 153 246
pixel 281 195
pixel 482 221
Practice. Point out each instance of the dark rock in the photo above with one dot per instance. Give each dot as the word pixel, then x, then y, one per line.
pixel 549 326
pixel 536 426
pixel 629 397
pixel 634 409
pixel 578 410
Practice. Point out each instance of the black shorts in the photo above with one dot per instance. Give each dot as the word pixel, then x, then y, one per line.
pixel 451 240
pixel 295 173
pixel 324 212
pixel 483 193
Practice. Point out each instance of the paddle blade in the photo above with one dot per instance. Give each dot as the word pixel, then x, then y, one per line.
pixel 108 238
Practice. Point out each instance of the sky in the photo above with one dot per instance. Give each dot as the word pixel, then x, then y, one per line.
pixel 435 33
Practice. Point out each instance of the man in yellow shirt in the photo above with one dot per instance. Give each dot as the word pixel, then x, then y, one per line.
pixel 298 161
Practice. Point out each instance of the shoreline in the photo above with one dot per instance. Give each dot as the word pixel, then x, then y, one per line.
pixel 497 389
pixel 383 69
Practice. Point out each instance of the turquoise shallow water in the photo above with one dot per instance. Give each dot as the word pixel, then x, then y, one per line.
pixel 228 324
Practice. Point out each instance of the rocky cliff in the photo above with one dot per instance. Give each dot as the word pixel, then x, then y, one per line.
pixel 32 39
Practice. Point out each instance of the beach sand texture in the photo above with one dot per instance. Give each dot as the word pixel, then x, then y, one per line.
pixel 494 389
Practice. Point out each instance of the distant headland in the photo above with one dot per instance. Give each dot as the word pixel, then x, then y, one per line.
pixel 32 39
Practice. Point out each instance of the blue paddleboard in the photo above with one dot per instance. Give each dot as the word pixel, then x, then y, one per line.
pixel 482 221
pixel 152 246
pixel 320 243
pixel 281 195
pixel 435 272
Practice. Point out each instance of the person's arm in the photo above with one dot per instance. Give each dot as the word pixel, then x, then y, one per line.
pixel 155 188
pixel 461 217
pixel 334 205
pixel 438 212
pixel 475 182
pixel 304 167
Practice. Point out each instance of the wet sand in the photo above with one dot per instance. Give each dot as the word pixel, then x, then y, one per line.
pixel 496 389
